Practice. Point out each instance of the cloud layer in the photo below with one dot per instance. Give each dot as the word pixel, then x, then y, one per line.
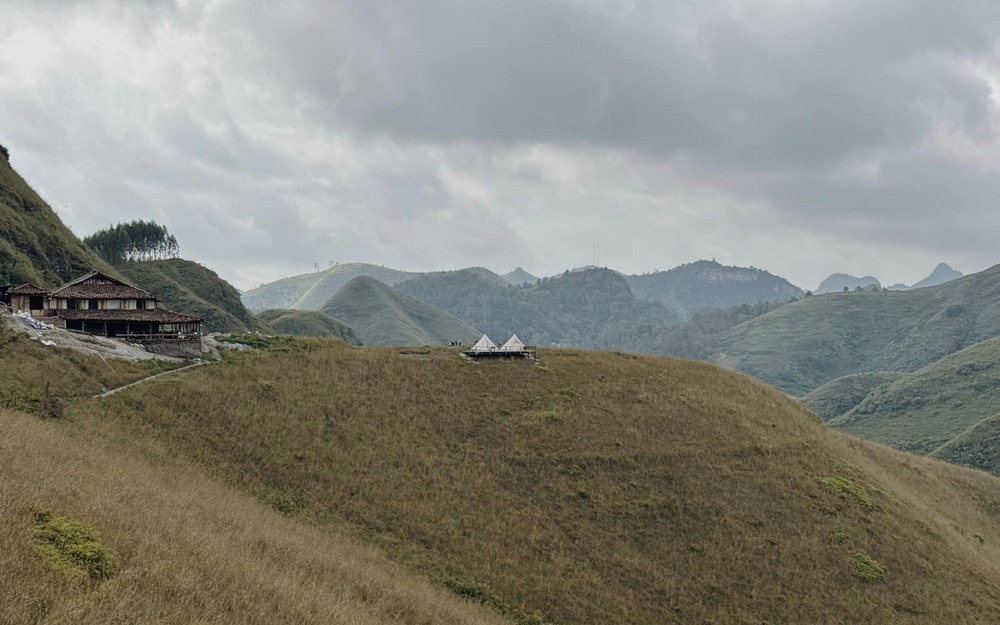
pixel 802 137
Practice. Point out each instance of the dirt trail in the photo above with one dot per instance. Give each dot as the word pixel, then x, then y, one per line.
pixel 152 377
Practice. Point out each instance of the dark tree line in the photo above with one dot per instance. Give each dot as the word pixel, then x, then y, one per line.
pixel 133 241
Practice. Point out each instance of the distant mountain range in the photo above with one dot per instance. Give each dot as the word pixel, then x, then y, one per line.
pixel 838 282
pixel 684 289
pixel 593 308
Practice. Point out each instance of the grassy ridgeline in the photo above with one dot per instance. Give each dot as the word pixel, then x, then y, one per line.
pixel 381 315
pixel 308 323
pixel 977 447
pixel 839 396
pixel 35 246
pixel 310 291
pixel 598 487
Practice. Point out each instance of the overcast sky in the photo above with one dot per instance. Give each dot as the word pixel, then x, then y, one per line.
pixel 800 136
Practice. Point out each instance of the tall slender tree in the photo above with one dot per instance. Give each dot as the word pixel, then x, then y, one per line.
pixel 134 241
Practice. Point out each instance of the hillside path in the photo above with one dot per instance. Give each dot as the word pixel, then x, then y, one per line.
pixel 152 377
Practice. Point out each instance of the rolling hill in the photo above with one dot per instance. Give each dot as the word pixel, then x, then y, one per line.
pixel 978 447
pixel 311 291
pixel 187 287
pixel 380 315
pixel 923 410
pixel 840 395
pixel 308 323
pixel 708 284
pixel 35 246
pixel 805 344
pixel 606 488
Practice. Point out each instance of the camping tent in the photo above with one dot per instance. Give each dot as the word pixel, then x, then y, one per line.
pixel 513 345
pixel 484 345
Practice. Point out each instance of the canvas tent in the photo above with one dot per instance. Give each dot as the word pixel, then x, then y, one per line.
pixel 484 345
pixel 514 344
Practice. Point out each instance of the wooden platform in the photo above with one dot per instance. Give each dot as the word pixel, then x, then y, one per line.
pixel 529 352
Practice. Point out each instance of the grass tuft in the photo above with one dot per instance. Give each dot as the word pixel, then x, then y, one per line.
pixel 846 488
pixel 72 547
pixel 867 569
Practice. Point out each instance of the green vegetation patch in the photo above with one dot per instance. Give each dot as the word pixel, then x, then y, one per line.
pixel 267 343
pixel 481 593
pixel 72 547
pixel 287 503
pixel 867 569
pixel 847 488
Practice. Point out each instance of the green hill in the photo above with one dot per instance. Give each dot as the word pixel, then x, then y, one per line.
pixel 708 284
pixel 925 409
pixel 840 395
pixel 311 291
pixel 596 488
pixel 805 344
pixel 187 287
pixel 978 447
pixel 35 246
pixel 308 323
pixel 380 315
pixel 591 308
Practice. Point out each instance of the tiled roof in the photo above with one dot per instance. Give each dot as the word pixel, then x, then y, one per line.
pixel 158 314
pixel 106 287
pixel 28 289
pixel 102 291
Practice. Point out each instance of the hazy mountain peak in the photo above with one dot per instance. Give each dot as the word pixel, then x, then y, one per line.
pixel 838 281
pixel 941 274
pixel 519 276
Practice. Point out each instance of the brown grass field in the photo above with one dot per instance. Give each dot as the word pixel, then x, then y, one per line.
pixel 593 488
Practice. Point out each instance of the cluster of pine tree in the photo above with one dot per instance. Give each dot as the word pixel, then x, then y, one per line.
pixel 134 241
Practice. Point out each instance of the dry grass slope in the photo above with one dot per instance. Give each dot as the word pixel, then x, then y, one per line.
pixel 598 487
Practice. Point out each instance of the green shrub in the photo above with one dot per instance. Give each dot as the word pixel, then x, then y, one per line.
pixel 288 504
pixel 72 547
pixel 867 569
pixel 847 488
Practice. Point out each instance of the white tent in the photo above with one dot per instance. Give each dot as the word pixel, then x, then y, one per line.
pixel 484 345
pixel 513 345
